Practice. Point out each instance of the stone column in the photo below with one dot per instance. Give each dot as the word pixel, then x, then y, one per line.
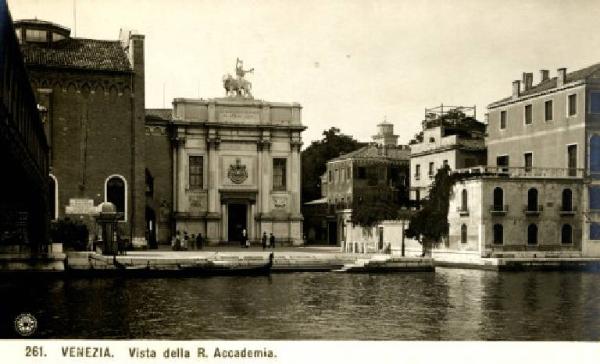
pixel 213 233
pixel 177 143
pixel 294 188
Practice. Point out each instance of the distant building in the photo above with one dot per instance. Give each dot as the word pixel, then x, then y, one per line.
pixel 539 196
pixel 451 136
pixel 93 94
pixel 23 154
pixel 380 169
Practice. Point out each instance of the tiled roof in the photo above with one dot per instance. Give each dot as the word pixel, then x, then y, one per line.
pixel 78 53
pixel 374 151
pixel 163 114
pixel 549 84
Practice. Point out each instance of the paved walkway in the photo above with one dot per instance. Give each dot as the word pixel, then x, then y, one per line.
pixel 213 251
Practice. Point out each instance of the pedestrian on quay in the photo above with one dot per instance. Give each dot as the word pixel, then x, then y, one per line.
pixel 245 239
pixel 264 240
pixel 176 242
pixel 272 241
pixel 199 241
pixel 186 240
pixel 192 242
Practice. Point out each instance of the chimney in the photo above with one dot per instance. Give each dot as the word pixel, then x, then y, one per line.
pixel 562 76
pixel 527 80
pixel 516 88
pixel 544 75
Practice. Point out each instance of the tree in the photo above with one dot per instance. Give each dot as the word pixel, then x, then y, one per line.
pixel 315 157
pixel 430 223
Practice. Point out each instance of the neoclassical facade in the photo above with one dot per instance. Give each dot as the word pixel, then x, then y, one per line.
pixel 236 166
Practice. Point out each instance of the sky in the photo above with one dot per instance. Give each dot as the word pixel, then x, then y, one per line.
pixel 350 64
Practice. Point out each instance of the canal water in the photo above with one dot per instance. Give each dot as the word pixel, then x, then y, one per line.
pixel 450 304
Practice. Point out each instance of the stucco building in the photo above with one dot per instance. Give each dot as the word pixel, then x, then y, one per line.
pixel 451 136
pixel 378 170
pixel 92 92
pixel 539 195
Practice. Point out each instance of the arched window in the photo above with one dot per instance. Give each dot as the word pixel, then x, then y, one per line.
pixel 532 199
pixel 498 199
pixel 116 192
pixel 566 234
pixel 463 234
pixel 53 198
pixel 498 234
pixel 567 200
pixel 464 201
pixel 532 234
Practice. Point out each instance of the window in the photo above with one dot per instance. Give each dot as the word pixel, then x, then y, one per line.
pixel 498 234
pixel 567 200
pixel 594 231
pixel 348 172
pixel 572 159
pixel 362 172
pixel 572 105
pixel 149 183
pixel 116 193
pixel 417 171
pixel 431 139
pixel 330 176
pixel 464 201
pixel 463 234
pixel 279 173
pixel 528 114
pixel 566 234
pixel 528 157
pixel 196 172
pixel 498 199
pixel 431 166
pixel 502 119
pixel 417 195
pixel 595 103
pixel 445 163
pixel 594 192
pixel 36 35
pixel 502 161
pixel 532 232
pixel 595 156
pixel 548 110
pixel 532 199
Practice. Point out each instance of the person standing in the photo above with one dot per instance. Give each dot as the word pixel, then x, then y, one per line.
pixel 264 240
pixel 199 241
pixel 272 240
pixel 186 240
pixel 245 239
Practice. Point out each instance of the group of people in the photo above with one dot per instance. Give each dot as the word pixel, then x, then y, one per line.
pixel 266 241
pixel 187 242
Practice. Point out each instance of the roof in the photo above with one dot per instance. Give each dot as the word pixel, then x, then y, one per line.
pixel 163 114
pixel 551 83
pixel 78 53
pixel 374 151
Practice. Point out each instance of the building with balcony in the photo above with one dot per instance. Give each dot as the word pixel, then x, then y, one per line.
pixel 539 195
pixel 24 205
pixel 92 92
pixel 378 170
pixel 451 136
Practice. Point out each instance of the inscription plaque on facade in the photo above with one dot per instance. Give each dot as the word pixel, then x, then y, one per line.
pixel 242 117
pixel 81 206
pixel 237 172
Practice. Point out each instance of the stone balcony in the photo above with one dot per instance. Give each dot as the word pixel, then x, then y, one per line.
pixel 522 172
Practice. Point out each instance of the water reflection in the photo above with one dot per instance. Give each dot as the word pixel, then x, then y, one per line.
pixel 451 304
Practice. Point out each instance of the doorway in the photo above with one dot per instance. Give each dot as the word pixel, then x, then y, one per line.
pixel 151 228
pixel 237 215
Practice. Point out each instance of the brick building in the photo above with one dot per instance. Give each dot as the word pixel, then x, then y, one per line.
pixel 93 91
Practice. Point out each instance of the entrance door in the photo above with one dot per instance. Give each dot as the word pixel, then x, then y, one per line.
pixel 237 215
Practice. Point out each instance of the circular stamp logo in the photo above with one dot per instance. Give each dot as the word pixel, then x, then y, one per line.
pixel 25 324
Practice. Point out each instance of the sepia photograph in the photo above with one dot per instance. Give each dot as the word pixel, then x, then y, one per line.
pixel 286 171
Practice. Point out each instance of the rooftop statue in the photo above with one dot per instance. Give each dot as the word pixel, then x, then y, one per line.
pixel 238 86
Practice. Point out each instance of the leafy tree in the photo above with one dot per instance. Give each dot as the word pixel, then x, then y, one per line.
pixel 316 155
pixel 430 223
pixel 73 235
